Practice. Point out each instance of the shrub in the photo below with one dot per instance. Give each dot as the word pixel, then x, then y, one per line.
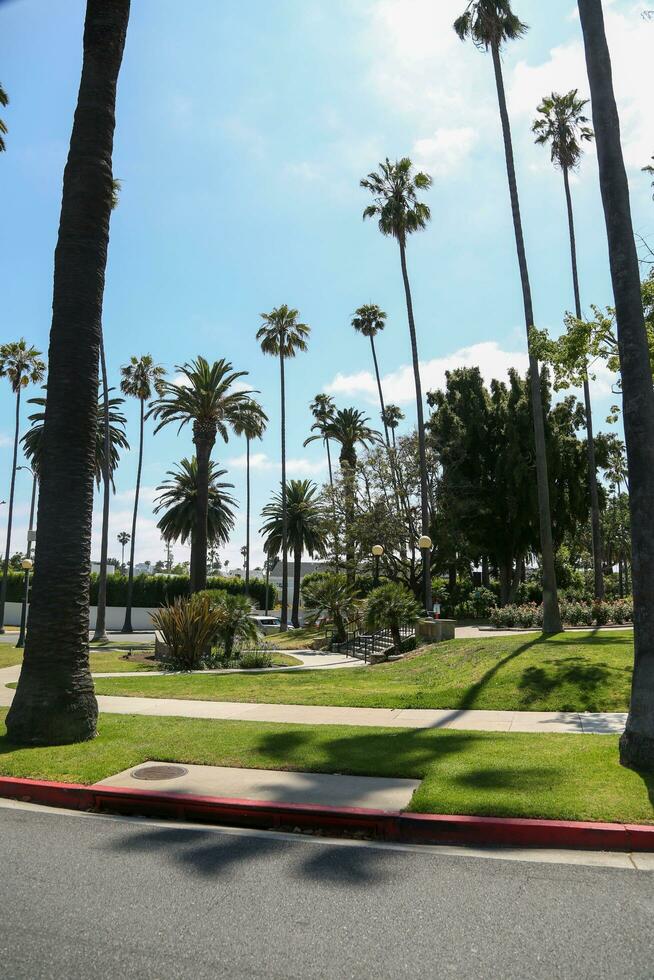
pixel 151 591
pixel 233 621
pixel 391 606
pixel 573 613
pixel 329 597
pixel 255 660
pixel 188 627
pixel 482 601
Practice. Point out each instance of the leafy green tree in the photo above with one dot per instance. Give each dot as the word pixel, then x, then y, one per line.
pixel 370 320
pixel 4 102
pixel 400 213
pixel 179 499
pixel 349 428
pixel 562 125
pixel 282 335
pixel 391 606
pixel 252 425
pixel 490 24
pixel 331 598
pixel 139 379
pixel 306 529
pixel 21 364
pixel 207 398
pixel 55 702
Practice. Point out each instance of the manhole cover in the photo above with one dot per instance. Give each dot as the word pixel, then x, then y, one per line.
pixel 159 772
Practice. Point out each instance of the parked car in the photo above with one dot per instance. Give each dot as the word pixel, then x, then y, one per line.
pixel 269 624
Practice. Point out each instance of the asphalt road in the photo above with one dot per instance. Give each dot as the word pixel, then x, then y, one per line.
pixel 97 897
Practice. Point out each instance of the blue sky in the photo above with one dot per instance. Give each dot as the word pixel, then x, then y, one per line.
pixel 242 133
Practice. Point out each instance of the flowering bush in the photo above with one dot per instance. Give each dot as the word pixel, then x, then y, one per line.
pixel 530 615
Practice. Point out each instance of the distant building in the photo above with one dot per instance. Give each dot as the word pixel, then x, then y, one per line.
pixel 96 566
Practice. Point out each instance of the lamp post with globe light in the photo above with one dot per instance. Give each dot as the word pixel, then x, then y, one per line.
pixel 425 545
pixel 377 551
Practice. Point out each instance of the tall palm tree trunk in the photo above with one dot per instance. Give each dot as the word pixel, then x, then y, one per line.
pixel 637 742
pixel 100 632
pixel 55 702
pixel 247 515
pixel 596 530
pixel 10 515
pixel 297 572
pixel 551 612
pixel 284 613
pixel 348 469
pixel 379 389
pixel 337 554
pixel 203 445
pixel 424 496
pixel 127 625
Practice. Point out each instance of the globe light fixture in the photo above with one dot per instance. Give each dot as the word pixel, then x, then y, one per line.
pixel 425 542
pixel 377 551
pixel 27 564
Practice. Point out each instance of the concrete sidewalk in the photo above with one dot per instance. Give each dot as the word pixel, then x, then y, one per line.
pixel 600 723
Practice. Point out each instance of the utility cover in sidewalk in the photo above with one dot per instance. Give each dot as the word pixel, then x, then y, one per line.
pixel 159 772
pixel 273 785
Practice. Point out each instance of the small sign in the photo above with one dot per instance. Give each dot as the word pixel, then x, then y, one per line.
pixel 31 535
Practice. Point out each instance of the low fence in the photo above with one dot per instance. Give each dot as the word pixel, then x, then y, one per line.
pixel 115 617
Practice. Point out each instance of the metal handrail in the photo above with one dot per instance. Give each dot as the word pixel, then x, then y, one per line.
pixel 369 643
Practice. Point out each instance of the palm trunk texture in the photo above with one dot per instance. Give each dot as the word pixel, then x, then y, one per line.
pixel 551 612
pixel 127 625
pixel 55 702
pixel 424 498
pixel 637 742
pixel 204 441
pixel 596 530
pixel 100 632
pixel 10 515
pixel 284 612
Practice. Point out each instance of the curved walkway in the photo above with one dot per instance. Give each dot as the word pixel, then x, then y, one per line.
pixel 601 723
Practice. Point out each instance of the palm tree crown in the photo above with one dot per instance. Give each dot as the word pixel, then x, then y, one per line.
pixel 306 529
pixel 322 408
pixel 348 427
pixel 250 420
pixel 4 101
pixel 140 377
pixel 396 205
pixel 489 23
pixel 393 415
pixel 562 124
pixel 179 497
pixel 280 332
pixel 369 320
pixel 22 364
pixel 33 439
pixel 202 396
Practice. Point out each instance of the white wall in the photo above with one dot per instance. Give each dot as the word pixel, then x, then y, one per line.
pixel 115 617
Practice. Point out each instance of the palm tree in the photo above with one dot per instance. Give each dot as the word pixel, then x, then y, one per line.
pixel 179 497
pixel 322 408
pixel 637 742
pixel 490 24
pixel 331 597
pixel 22 365
pixel 305 529
pixel 206 398
pixel 348 428
pixel 138 380
pixel 54 702
pixel 282 336
pixel 400 213
pixel 252 425
pixel 391 606
pixel 123 538
pixel 33 440
pixel 4 101
pixel 370 320
pixel 562 126
pixel 392 417
pixel 649 169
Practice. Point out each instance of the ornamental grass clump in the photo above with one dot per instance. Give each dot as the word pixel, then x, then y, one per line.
pixel 188 627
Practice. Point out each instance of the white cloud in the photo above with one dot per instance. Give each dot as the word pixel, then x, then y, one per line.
pixel 262 462
pixel 399 385
pixel 444 152
pixel 630 42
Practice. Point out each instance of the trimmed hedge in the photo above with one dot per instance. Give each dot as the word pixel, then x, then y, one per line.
pixel 154 590
pixel 572 613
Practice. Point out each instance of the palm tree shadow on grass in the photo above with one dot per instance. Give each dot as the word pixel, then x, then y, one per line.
pixel 470 696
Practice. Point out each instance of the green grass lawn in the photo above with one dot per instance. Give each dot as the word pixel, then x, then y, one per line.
pixel 105 661
pixel 567 672
pixel 9 655
pixel 574 777
pixel 301 639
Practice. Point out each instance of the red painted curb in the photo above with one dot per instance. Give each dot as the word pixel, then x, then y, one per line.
pixel 387 825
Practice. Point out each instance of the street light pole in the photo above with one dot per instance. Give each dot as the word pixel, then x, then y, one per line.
pixel 425 544
pixel 27 563
pixel 377 551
